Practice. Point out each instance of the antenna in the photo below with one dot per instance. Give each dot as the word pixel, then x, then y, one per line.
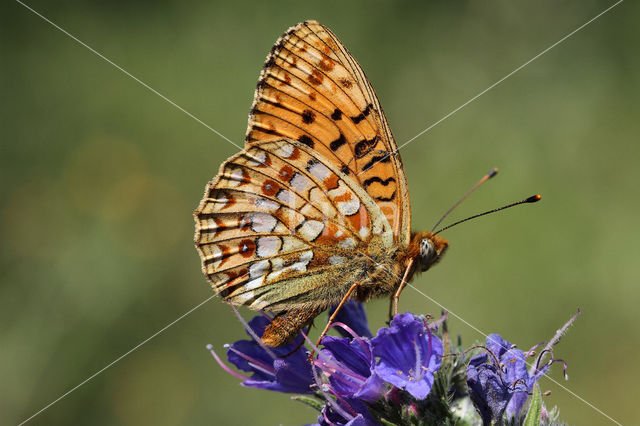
pixel 532 199
pixel 485 178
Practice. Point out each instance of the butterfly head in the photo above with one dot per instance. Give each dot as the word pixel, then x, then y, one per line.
pixel 431 249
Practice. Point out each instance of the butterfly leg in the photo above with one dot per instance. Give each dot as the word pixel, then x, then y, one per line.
pixel 393 305
pixel 334 315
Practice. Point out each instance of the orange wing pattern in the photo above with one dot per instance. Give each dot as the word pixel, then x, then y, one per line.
pixel 312 90
pixel 278 226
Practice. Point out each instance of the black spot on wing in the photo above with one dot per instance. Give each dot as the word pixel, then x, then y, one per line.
pixel 336 114
pixel 365 146
pixel 389 198
pixel 306 140
pixel 358 118
pixel 377 179
pixel 377 159
pixel 338 143
pixel 308 116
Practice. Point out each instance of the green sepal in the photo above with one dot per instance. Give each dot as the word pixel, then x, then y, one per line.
pixel 310 401
pixel 535 408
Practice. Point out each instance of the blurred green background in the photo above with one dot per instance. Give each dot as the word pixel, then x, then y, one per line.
pixel 100 177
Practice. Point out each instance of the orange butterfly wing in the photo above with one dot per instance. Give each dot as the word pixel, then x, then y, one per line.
pixel 280 226
pixel 312 90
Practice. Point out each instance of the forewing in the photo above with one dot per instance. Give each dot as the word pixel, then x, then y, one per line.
pixel 277 227
pixel 312 90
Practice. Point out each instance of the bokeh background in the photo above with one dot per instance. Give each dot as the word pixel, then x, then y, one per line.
pixel 100 177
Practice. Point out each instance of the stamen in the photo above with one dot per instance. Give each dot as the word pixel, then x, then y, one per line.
pixel 257 364
pixel 252 333
pixel 432 325
pixel 345 327
pixel 224 366
pixel 531 352
pixel 542 354
pixel 564 369
pixel 495 360
pixel 314 348
pixel 329 400
pixel 326 419
pixel 418 370
pixel 337 367
pixel 354 413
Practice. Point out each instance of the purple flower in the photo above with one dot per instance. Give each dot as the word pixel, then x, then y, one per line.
pixel 487 390
pixel 408 354
pixel 346 412
pixel 282 369
pixel 354 316
pixel 349 366
pixel 498 380
pixel 497 345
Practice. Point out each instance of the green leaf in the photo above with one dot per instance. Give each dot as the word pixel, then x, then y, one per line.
pixel 535 408
pixel 310 401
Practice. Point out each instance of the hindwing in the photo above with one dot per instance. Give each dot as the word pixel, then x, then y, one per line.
pixel 278 226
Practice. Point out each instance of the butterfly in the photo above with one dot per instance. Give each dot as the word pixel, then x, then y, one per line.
pixel 315 210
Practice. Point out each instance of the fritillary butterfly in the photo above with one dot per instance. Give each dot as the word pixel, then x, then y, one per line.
pixel 315 209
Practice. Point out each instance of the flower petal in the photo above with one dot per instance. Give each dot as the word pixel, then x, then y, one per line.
pixel 291 374
pixel 408 353
pixel 487 390
pixel 497 345
pixel 350 368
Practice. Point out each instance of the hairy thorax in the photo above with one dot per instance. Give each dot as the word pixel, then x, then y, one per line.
pixel 381 272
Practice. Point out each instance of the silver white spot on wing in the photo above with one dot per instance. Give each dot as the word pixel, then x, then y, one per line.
pixel 348 244
pixel 243 298
pixel 235 177
pixel 337 260
pixel 258 269
pixel 268 246
pixel 319 171
pixel 268 205
pixel 311 229
pixel 287 197
pixel 285 150
pixel 221 200
pixel 364 232
pixel 256 158
pixel 348 203
pixel 253 284
pixel 300 183
pixel 216 255
pixel 262 222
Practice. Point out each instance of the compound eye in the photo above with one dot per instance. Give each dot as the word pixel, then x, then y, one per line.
pixel 427 250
